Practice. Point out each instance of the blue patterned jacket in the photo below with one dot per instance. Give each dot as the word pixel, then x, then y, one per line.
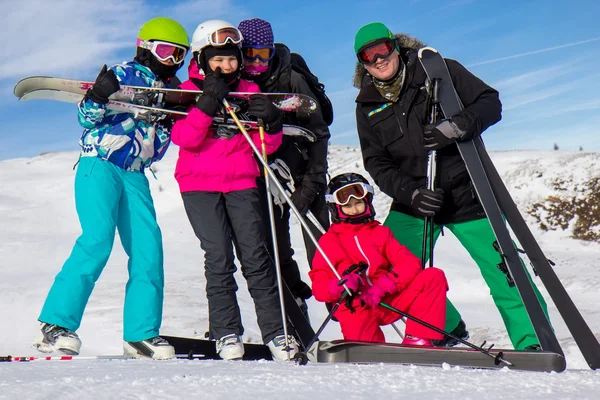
pixel 129 143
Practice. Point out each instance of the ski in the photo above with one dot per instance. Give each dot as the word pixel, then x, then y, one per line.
pixel 435 68
pixel 206 349
pixel 152 114
pixel 342 351
pixel 498 205
pixel 88 358
pixel 581 332
pixel 161 97
pixel 296 318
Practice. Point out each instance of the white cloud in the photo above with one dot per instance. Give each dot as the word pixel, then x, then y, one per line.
pixel 72 37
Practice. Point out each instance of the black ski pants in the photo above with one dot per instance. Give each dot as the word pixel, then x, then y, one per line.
pixel 221 220
pixel 290 271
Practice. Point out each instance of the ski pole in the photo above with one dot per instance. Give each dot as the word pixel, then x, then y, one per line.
pixel 279 186
pixel 428 224
pixel 498 357
pixel 10 358
pixel 301 357
pixel 261 131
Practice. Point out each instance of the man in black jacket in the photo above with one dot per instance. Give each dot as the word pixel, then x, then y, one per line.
pixel 392 112
pixel 269 65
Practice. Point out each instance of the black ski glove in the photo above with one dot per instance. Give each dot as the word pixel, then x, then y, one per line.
pixel 442 133
pixel 215 89
pixel 105 85
pixel 264 109
pixel 426 202
pixel 303 197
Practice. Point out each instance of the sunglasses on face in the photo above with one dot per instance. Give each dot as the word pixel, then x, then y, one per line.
pixel 342 195
pixel 382 49
pixel 263 54
pixel 164 50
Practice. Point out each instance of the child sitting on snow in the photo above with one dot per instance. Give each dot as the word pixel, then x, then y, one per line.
pixel 394 275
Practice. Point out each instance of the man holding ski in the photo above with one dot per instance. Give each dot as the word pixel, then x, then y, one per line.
pixel 270 66
pixel 396 133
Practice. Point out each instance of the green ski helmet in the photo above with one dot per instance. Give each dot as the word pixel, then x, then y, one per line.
pixel 164 29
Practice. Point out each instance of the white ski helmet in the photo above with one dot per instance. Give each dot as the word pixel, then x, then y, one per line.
pixel 215 32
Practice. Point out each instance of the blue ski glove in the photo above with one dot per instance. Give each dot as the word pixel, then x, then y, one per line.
pixel 105 85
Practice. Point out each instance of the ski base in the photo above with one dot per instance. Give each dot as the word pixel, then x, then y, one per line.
pixel 342 351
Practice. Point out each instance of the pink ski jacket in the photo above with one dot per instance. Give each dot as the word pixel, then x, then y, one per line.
pixel 213 164
pixel 346 244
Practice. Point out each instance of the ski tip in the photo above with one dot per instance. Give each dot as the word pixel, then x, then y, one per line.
pixel 422 49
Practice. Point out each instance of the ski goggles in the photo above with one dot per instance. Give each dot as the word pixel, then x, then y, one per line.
pixel 342 195
pixel 264 54
pixel 222 36
pixel 379 49
pixel 164 50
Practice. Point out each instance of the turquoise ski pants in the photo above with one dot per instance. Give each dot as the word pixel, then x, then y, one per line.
pixel 108 198
pixel 477 237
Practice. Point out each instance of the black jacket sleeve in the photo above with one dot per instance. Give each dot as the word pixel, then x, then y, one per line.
pixel 316 168
pixel 380 165
pixel 482 102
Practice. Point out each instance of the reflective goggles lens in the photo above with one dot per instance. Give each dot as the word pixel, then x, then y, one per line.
pixel 370 54
pixel 220 37
pixel 164 50
pixel 252 53
pixel 342 195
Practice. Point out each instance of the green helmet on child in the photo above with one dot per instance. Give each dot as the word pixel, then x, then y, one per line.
pixel 162 45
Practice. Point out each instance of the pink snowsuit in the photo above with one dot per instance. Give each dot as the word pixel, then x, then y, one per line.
pixel 421 293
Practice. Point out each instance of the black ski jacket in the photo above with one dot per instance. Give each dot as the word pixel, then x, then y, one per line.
pixel 391 139
pixel 308 161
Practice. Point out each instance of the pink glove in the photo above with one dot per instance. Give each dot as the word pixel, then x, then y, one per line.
pixel 353 282
pixel 373 295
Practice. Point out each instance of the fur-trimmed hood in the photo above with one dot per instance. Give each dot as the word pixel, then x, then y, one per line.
pixel 406 42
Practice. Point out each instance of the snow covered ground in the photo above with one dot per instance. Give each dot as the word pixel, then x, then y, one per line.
pixel 38 226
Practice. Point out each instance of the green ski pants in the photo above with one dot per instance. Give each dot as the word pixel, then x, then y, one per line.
pixel 477 237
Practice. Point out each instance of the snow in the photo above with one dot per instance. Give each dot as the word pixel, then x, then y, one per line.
pixel 39 226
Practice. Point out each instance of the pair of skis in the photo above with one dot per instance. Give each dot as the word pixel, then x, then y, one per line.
pixel 41 87
pixel 498 206
pixel 153 104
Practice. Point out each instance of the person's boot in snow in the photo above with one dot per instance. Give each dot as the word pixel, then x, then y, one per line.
pixel 230 347
pixel 56 338
pixel 460 331
pixel 278 350
pixel 415 341
pixel 155 348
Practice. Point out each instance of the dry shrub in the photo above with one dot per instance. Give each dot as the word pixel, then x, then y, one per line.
pixel 580 212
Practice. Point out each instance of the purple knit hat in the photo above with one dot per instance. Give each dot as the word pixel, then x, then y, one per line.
pixel 257 33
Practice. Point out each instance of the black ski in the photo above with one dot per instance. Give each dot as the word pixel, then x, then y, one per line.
pixel 206 349
pixel 581 332
pixel 435 68
pixel 365 352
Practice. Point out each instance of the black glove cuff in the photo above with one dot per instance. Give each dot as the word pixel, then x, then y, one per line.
pixel 208 105
pixel 274 127
pixel 92 95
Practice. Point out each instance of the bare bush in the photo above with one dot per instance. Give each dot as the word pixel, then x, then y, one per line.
pixel 579 212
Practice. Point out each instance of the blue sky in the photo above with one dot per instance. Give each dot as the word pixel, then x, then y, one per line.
pixel 543 57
